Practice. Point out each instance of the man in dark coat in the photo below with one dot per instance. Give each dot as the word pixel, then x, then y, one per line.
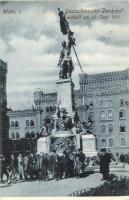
pixel 105 160
pixel 82 160
pixel 4 169
pixel 66 163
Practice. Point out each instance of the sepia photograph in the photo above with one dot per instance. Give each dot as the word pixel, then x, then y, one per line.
pixel 64 98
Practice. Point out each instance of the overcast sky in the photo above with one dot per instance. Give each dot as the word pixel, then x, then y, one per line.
pixel 30 41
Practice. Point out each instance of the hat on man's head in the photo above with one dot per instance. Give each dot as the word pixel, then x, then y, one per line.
pixel 103 150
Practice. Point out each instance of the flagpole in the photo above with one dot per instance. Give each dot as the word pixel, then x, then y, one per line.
pixel 77 58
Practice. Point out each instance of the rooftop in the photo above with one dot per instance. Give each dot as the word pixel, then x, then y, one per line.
pixel 106 76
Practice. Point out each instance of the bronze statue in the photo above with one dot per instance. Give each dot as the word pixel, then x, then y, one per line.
pixel 65 61
pixel 64 123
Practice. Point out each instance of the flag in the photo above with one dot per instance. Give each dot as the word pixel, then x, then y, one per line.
pixel 64 25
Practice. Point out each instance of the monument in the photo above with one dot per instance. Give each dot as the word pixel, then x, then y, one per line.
pixel 88 138
pixel 64 134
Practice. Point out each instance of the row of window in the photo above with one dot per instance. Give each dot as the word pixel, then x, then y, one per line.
pixel 110 142
pixel 16 136
pixel 123 103
pixel 30 135
pixel 30 122
pixel 50 108
pixel 103 114
pixel 103 128
pixel 106 103
pixel 109 103
pixel 91 115
pixel 16 123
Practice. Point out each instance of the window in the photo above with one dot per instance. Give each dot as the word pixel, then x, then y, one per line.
pixel 28 136
pixel 17 135
pixel 110 114
pixel 121 102
pixel 13 136
pixel 16 124
pixel 122 127
pixel 32 134
pixel 106 103
pixel 111 142
pixel 122 113
pixel 103 143
pixel 32 122
pixel 110 103
pixel 110 128
pixel 12 124
pixel 51 109
pixel 103 128
pixel 27 123
pixel 102 115
pixel 91 104
pixel 91 115
pixel 101 103
pixel 123 143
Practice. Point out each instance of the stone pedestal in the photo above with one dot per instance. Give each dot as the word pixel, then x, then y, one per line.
pixel 43 144
pixel 61 140
pixel 89 145
pixel 64 95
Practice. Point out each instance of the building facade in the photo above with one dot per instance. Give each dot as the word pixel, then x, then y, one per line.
pixel 104 97
pixel 108 97
pixel 3 107
pixel 24 128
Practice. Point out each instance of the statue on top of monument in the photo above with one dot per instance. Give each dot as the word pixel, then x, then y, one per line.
pixel 66 65
pixel 65 61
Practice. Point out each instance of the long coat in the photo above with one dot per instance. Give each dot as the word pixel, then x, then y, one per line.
pixel 104 163
pixel 20 166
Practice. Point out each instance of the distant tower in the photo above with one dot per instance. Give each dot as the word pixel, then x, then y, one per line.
pixel 3 107
pixel 37 98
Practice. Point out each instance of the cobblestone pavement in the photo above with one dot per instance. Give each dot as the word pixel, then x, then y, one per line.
pixel 52 188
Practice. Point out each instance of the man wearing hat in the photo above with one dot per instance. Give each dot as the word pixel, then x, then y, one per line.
pixel 104 163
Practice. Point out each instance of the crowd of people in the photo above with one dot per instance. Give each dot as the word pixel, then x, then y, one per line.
pixel 42 166
pixel 45 166
pixel 124 158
